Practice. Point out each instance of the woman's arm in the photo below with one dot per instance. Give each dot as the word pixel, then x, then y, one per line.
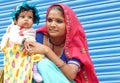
pixel 69 70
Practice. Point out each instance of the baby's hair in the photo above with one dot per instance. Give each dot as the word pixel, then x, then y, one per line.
pixel 26 7
pixel 22 9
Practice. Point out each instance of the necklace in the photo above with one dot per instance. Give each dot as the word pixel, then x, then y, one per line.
pixel 55 45
pixel 57 48
pixel 61 44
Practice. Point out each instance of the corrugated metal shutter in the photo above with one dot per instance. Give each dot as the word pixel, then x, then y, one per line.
pixel 101 21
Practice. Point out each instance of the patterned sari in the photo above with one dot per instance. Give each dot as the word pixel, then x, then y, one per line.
pixel 18 64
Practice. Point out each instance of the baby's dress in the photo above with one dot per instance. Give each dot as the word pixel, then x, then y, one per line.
pixel 18 64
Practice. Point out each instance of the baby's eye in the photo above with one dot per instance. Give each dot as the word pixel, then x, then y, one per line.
pixel 22 16
pixel 30 17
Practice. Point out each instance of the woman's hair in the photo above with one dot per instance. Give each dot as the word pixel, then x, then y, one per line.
pixel 26 7
pixel 57 8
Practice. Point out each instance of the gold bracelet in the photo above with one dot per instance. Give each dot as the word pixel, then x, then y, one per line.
pixel 61 65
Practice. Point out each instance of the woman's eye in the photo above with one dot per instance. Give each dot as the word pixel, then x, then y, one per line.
pixel 59 21
pixel 49 20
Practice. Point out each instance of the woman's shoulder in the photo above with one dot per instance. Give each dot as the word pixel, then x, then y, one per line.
pixel 39 37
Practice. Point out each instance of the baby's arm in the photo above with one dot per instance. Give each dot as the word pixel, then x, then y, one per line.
pixel 30 34
pixel 5 39
pixel 15 37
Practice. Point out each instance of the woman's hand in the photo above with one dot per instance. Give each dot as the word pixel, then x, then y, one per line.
pixel 35 47
pixel 26 47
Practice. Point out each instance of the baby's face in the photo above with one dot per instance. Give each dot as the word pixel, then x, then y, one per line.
pixel 25 19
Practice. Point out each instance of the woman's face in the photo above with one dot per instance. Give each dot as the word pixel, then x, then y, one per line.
pixel 56 24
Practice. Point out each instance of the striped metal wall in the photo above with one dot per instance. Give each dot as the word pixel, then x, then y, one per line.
pixel 101 21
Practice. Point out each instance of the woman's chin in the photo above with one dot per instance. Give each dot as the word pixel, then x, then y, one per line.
pixel 53 34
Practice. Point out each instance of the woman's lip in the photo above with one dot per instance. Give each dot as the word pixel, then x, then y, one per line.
pixel 53 30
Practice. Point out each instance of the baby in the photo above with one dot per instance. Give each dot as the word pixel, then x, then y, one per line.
pixel 18 65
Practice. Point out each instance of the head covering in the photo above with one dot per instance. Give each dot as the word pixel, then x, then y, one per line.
pixel 26 5
pixel 75 44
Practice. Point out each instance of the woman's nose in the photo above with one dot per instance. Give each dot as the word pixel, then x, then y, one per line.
pixel 53 23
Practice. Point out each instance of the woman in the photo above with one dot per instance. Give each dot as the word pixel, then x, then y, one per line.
pixel 64 43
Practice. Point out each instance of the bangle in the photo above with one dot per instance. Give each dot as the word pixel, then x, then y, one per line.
pixel 60 66
pixel 23 41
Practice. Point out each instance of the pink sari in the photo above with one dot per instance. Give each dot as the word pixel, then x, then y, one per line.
pixel 76 45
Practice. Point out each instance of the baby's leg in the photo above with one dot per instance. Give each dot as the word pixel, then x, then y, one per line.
pixel 36 76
